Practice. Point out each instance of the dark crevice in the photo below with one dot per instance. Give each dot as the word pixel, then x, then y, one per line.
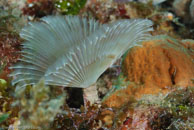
pixel 171 70
pixel 172 75
pixel 75 97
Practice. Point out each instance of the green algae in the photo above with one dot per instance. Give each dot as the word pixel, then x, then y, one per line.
pixel 69 6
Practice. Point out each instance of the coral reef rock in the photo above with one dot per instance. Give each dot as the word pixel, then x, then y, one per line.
pixel 140 119
pixel 192 10
pixel 181 9
pixel 161 64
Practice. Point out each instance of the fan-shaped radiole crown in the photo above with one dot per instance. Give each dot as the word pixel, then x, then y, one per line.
pixel 73 51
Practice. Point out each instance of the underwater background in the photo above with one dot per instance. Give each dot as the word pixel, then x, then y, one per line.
pixel 149 87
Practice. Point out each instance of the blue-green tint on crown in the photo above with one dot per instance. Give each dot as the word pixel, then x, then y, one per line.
pixel 73 51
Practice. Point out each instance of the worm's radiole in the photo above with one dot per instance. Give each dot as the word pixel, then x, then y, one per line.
pixel 73 51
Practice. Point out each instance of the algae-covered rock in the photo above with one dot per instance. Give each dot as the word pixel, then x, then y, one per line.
pixel 118 97
pixel 151 112
pixel 38 107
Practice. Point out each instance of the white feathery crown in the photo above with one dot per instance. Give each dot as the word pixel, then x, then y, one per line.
pixel 73 51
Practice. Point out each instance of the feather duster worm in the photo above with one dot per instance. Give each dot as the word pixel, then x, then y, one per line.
pixel 73 51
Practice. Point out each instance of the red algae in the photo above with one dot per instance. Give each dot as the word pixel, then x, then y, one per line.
pixel 9 52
